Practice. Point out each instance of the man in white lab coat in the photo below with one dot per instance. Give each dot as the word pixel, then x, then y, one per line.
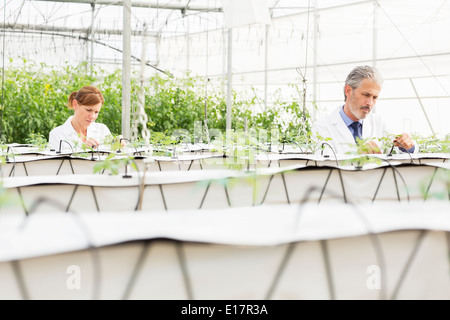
pixel 354 120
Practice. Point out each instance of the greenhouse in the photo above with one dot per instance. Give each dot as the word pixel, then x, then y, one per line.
pixel 194 150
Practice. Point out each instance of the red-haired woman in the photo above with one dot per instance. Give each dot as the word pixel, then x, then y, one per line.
pixel 81 127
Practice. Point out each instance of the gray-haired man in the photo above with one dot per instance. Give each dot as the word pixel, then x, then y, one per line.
pixel 355 120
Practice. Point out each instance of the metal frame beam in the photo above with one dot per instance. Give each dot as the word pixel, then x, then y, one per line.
pixel 143 4
pixel 47 28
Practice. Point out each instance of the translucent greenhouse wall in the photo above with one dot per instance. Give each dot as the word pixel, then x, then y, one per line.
pixel 319 42
pixel 406 40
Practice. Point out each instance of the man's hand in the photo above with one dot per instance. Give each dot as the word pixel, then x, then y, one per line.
pixel 404 141
pixel 372 148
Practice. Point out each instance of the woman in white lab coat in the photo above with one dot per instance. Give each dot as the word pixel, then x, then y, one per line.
pixel 81 128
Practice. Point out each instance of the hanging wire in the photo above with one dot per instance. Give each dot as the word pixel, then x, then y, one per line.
pixel 315 52
pixel 51 19
pixel 20 11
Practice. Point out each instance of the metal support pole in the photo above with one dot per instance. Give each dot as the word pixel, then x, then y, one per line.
pixel 224 59
pixel 374 35
pixel 266 64
pixel 188 48
pixel 91 62
pixel 126 72
pixel 229 78
pixel 315 54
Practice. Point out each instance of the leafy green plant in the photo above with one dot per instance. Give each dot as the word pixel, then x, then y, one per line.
pixel 36 102
pixel 3 148
pixel 387 143
pixel 360 152
pixel 432 144
pixel 82 150
pixel 35 98
pixel 313 142
pixel 114 142
pixel 161 143
pixel 37 140
pixel 139 142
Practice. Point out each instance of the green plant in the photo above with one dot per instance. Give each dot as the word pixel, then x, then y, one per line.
pixel 36 102
pixel 139 142
pixel 363 147
pixel 37 140
pixel 432 144
pixel 35 98
pixel 161 142
pixel 114 141
pixel 82 150
pixel 386 143
pixel 3 148
pixel 112 164
pixel 314 142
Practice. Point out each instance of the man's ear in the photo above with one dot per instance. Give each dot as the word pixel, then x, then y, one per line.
pixel 348 90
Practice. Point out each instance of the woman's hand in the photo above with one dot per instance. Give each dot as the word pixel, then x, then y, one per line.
pixel 91 143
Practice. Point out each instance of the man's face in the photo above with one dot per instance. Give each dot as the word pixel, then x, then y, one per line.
pixel 361 100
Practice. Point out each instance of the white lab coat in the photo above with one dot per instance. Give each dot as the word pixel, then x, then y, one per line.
pixel 66 132
pixel 342 140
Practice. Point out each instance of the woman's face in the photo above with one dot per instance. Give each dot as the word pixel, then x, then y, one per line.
pixel 86 115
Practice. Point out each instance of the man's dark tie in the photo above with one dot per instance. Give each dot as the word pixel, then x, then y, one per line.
pixel 356 132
